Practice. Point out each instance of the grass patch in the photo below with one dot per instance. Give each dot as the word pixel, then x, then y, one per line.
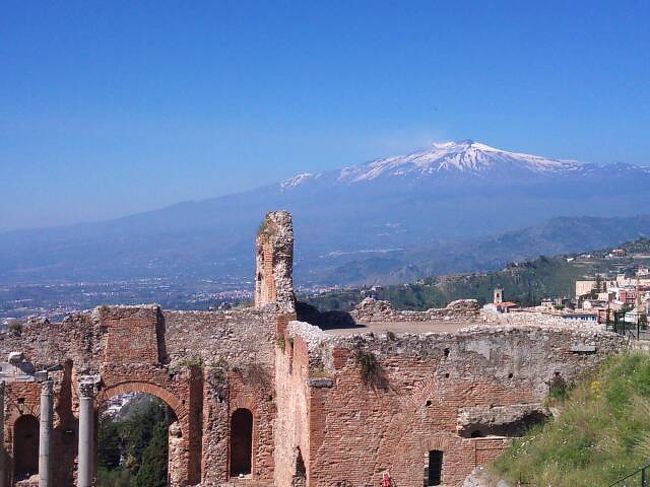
pixel 601 435
pixel 373 374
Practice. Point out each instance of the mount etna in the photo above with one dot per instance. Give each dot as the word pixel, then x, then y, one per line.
pixel 454 207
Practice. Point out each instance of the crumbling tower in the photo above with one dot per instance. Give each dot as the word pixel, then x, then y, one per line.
pixel 498 296
pixel 274 262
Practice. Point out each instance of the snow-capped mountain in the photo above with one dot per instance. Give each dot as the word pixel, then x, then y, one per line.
pixel 345 220
pixel 443 158
pixel 465 156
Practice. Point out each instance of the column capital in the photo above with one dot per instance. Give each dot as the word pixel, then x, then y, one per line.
pixel 47 387
pixel 88 385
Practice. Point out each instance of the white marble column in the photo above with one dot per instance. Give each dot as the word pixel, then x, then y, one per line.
pixel 86 424
pixel 45 434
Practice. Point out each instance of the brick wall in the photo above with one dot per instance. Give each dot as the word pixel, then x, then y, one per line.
pixel 142 349
pixel 356 432
pixel 132 334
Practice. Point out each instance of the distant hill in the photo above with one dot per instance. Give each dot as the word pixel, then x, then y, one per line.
pixel 525 282
pixel 556 236
pixel 388 220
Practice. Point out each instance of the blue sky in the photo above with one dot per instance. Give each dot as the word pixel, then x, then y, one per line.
pixel 109 108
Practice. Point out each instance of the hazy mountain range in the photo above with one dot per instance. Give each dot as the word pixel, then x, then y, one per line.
pixel 457 206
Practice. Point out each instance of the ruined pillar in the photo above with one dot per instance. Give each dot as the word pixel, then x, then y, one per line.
pixel 3 471
pixel 274 262
pixel 86 423
pixel 45 434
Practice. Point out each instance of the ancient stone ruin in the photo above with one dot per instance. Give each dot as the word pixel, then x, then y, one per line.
pixel 260 398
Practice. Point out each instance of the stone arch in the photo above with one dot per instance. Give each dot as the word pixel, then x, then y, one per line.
pixel 26 433
pixel 442 442
pixel 241 442
pixel 180 409
pixel 180 464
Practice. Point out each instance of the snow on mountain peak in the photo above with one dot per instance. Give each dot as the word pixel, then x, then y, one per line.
pixel 464 156
pixel 461 157
pixel 298 179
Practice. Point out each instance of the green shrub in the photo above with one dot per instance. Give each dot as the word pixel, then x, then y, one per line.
pixel 192 361
pixel 15 328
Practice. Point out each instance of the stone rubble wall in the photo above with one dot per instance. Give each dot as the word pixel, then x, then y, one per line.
pixel 237 336
pixel 372 310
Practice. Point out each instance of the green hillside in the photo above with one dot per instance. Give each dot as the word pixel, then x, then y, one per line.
pixel 526 282
pixel 601 435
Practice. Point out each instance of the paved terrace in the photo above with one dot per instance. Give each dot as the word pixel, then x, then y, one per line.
pixel 413 327
pixel 379 317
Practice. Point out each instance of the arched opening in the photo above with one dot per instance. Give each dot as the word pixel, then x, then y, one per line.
pixel 134 437
pixel 241 443
pixel 25 447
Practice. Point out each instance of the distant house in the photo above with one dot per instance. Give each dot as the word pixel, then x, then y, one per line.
pixel 506 307
pixel 547 303
pixel 498 305
pixel 584 287
pixel 590 317
pixel 502 307
pixel 594 304
pixel 632 316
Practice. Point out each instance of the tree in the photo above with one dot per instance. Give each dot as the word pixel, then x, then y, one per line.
pixel 108 437
pixel 153 471
pixel 132 449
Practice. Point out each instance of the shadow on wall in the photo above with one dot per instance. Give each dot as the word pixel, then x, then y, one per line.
pixel 325 320
pixel 512 429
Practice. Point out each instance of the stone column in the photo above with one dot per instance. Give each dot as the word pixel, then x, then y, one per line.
pixel 3 471
pixel 86 423
pixel 45 436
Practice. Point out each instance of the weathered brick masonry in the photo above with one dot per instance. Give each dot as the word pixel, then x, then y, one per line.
pixel 257 393
pixel 412 401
